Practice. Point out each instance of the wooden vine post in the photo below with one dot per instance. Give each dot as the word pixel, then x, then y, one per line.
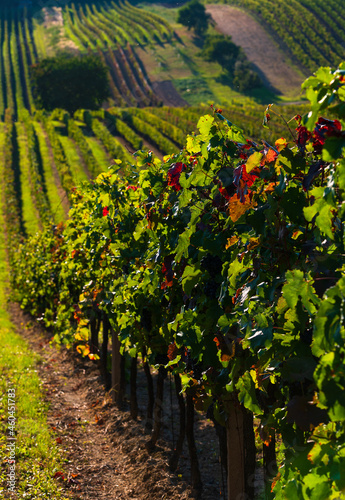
pixel 116 369
pixel 241 450
pixel 235 446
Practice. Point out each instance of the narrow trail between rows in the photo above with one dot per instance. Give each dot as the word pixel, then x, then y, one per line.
pixel 258 46
pixel 104 448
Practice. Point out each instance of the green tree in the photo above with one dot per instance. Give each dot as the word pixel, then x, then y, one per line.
pixel 70 83
pixel 232 59
pixel 194 15
pixel 221 49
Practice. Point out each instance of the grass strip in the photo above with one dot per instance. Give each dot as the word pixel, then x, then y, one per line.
pixel 37 457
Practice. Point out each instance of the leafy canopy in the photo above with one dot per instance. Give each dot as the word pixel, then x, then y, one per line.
pixel 70 82
pixel 232 59
pixel 194 15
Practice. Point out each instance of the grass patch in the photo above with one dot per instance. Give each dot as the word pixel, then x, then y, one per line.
pixel 37 457
pixel 101 157
pixel 194 90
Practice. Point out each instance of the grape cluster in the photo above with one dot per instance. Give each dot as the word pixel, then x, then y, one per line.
pixel 146 319
pixel 307 336
pixel 212 264
pixel 210 289
pixel 161 359
pixel 193 366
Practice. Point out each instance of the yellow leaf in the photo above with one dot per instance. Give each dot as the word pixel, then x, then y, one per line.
pixel 94 357
pixel 84 350
pixel 253 243
pixel 231 241
pixel 255 379
pixel 253 161
pixel 296 234
pixel 193 144
pixel 237 209
pixel 280 144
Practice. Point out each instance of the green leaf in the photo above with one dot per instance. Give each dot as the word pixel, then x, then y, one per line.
pixel 298 286
pixel 190 278
pixel 235 269
pixel 318 485
pixel 261 337
pixel 333 148
pixel 329 321
pixel 247 396
pixel 204 125
pixel 236 134
pixel 193 144
pixel 183 244
pixel 292 163
pixel 322 210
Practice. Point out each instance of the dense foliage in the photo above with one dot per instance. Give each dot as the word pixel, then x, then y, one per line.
pixel 194 16
pixel 225 262
pixel 70 83
pixel 233 60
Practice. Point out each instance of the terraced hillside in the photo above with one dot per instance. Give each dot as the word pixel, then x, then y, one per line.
pixel 110 30
pixel 311 31
pixel 17 53
pixel 113 30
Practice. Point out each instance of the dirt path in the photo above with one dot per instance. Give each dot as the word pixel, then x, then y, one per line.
pixel 259 48
pixel 53 18
pixel 166 92
pixel 104 448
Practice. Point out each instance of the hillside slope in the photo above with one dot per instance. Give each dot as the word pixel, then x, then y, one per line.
pixel 259 47
pixel 311 31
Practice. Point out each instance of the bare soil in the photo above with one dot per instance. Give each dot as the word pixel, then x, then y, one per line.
pixel 259 47
pixel 166 92
pixel 104 448
pixel 53 17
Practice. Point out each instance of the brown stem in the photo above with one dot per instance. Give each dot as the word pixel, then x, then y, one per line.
pixel 151 396
pixel 94 335
pixel 270 462
pixel 249 452
pixel 158 409
pixel 193 455
pixel 104 354
pixel 173 462
pixel 117 370
pixel 133 383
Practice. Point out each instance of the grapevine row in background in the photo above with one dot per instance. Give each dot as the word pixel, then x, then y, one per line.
pixel 22 44
pixel 105 25
pixel 308 34
pixel 110 30
pixel 53 153
pixel 16 56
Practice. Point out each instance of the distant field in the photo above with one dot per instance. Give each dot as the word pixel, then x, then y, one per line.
pixel 153 60
pixel 259 47
pixel 310 31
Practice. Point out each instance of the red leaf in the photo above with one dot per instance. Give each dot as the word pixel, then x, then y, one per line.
pixel 243 181
pixel 303 136
pixel 105 211
pixel 172 351
pixel 59 474
pixel 167 272
pixel 174 175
